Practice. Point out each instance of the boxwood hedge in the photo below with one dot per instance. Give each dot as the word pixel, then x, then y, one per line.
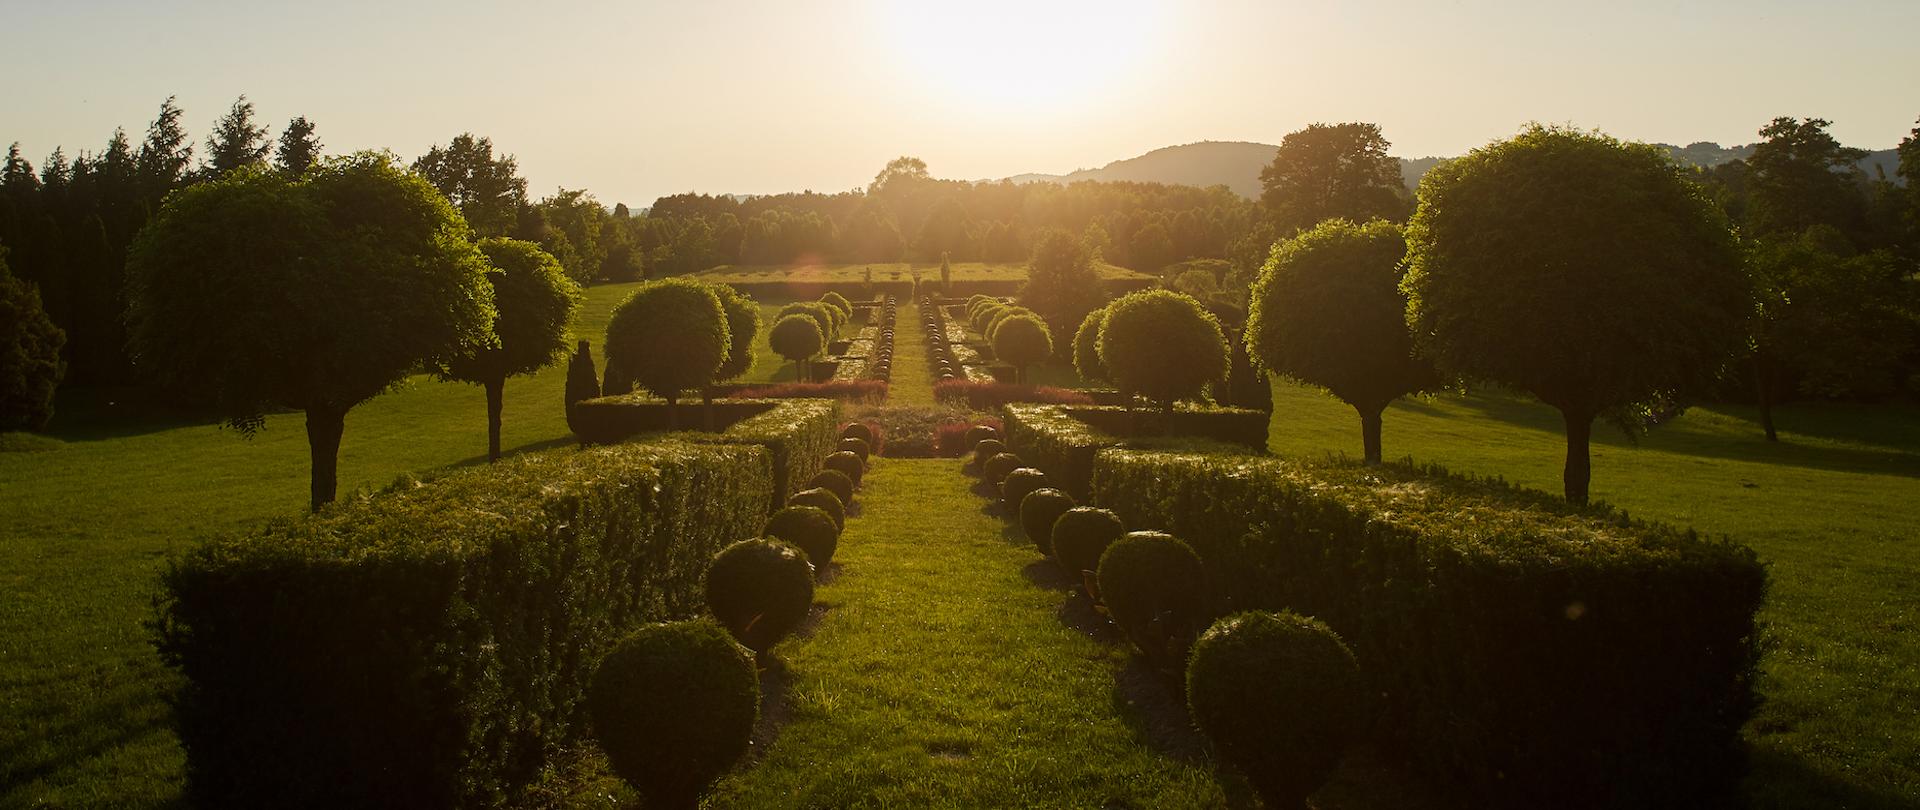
pixel 431 645
pixel 800 432
pixel 1528 652
pixel 1062 439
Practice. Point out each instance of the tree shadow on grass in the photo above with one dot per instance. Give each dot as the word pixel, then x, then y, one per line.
pixel 1781 781
pixel 775 683
pixel 529 447
pixel 86 732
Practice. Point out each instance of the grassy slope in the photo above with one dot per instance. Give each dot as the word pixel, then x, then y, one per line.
pixel 1832 508
pixel 941 677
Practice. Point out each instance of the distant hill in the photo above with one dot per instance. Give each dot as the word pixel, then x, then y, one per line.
pixel 1237 165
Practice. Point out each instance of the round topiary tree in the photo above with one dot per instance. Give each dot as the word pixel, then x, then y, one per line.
pixel 1161 345
pixel 1038 511
pixel 827 317
pixel 534 301
pixel 1280 697
pixel 1000 316
pixel 986 449
pixel 839 302
pixel 833 481
pixel 669 336
pixel 847 464
pixel 743 328
pixel 1086 347
pixel 857 447
pixel 673 706
pixel 823 499
pixel 808 527
pixel 979 433
pixel 997 468
pixel 798 338
pixel 583 382
pixel 1328 311
pixel 1022 340
pixel 985 315
pixel 1155 589
pixel 1637 299
pixel 1083 534
pixel 30 364
pixel 1015 486
pixel 760 590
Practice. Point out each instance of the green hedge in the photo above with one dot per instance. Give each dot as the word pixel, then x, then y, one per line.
pixel 1063 439
pixel 800 432
pixel 1529 653
pixel 430 646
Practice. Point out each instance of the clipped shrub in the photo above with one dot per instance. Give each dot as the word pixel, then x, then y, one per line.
pixel 839 302
pixel 582 381
pixel 1280 697
pixel 997 468
pixel 823 499
pixel 986 449
pixel 808 527
pixel 853 391
pixel 1156 590
pixel 669 336
pixel 857 430
pixel 979 433
pixel 1038 510
pixel 1081 535
pixel 673 707
pixel 1086 347
pixel 833 481
pixel 760 590
pixel 848 463
pixel 857 447
pixel 798 431
pixel 825 317
pixel 797 336
pixel 1014 488
pixel 987 396
pixel 1064 440
pixel 1161 345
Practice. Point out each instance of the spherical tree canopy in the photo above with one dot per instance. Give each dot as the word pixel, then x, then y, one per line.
pixel 669 336
pixel 743 328
pixel 796 337
pixel 1161 345
pixel 808 527
pixel 1328 311
pixel 985 315
pixel 1279 695
pixel 1000 316
pixel 1155 589
pixel 839 302
pixel 673 706
pixel 30 364
pixel 760 590
pixel 1585 270
pixel 1086 347
pixel 827 318
pixel 1081 535
pixel 535 301
pixel 1022 340
pixel 857 430
pixel 1038 512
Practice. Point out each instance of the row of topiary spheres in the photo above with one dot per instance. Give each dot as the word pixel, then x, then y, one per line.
pixel 1240 672
pixel 804 330
pixel 1016 335
pixel 674 705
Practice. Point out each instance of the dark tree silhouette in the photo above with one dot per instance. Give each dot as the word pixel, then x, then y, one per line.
pixel 236 141
pixel 30 364
pixel 533 303
pixel 1333 170
pixel 487 190
pixel 299 148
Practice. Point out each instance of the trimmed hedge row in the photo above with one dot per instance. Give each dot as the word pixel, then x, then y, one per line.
pixel 431 645
pixel 1063 439
pixel 1531 653
pixel 780 289
pixel 799 432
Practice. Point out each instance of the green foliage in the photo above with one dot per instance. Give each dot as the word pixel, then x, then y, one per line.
pixel 298 148
pixel 1639 300
pixel 760 590
pixel 1015 486
pixel 1063 440
pixel 533 303
pixel 1022 340
pixel 1038 511
pixel 1279 695
pixel 839 302
pixel 857 430
pixel 797 337
pixel 30 364
pixel 487 190
pixel 1831 323
pixel 1155 589
pixel 826 317
pixel 743 327
pixel 986 449
pixel 1801 178
pixel 1062 285
pixel 669 336
pixel 1161 345
pixel 798 432
pixel 847 463
pixel 1086 347
pixel 673 707
pixel 979 433
pixel 823 499
pixel 1512 635
pixel 808 528
pixel 997 468
pixel 396 649
pixel 582 382
pixel 857 447
pixel 833 481
pixel 235 141
pixel 1081 535
pixel 1333 171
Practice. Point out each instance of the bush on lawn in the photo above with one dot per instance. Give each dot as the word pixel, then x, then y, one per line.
pixel 1161 345
pixel 857 447
pixel 673 707
pixel 857 430
pixel 1155 589
pixel 760 590
pixel 808 527
pixel 997 468
pixel 833 481
pixel 1038 511
pixel 986 449
pixel 979 433
pixel 1081 535
pixel 848 464
pixel 1014 488
pixel 823 499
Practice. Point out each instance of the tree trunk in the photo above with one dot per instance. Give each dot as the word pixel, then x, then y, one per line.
pixel 324 426
pixel 1370 431
pixel 496 393
pixel 1579 471
pixel 1763 394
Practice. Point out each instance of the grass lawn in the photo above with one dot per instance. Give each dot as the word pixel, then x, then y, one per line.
pixel 911 382
pixel 1834 508
pixel 884 271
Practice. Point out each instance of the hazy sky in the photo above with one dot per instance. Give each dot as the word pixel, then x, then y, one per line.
pixel 636 99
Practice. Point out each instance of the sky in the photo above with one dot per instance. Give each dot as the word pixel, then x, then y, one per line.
pixel 632 100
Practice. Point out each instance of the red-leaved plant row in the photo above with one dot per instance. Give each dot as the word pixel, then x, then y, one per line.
pixel 982 396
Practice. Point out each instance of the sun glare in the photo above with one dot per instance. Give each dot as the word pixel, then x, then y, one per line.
pixel 1013 55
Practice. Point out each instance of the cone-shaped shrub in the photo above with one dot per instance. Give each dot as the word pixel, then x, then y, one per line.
pixel 997 468
pixel 760 590
pixel 1014 488
pixel 1038 511
pixel 673 706
pixel 808 527
pixel 984 449
pixel 857 430
pixel 857 447
pixel 823 499
pixel 1155 590
pixel 833 481
pixel 979 433
pixel 1279 695
pixel 847 464
pixel 1081 535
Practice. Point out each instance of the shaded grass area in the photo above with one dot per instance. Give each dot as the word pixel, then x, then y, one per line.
pixel 1834 509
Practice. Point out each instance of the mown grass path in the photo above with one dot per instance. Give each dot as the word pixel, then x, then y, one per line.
pixel 942 675
pixel 910 384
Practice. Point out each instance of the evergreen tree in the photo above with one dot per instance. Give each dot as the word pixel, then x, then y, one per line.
pixel 235 141
pixel 164 156
pixel 488 191
pixel 299 148
pixel 30 364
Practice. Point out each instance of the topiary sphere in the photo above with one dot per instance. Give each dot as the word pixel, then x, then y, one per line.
pixel 760 590
pixel 857 430
pixel 1280 697
pixel 673 706
pixel 1038 511
pixel 999 467
pixel 1086 347
pixel 980 433
pixel 826 317
pixel 669 336
pixel 857 447
pixel 808 527
pixel 1019 482
pixel 847 463
pixel 1156 590
pixel 1161 345
pixel 839 302
pixel 823 499
pixel 1082 534
pixel 796 337
pixel 985 449
pixel 833 481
